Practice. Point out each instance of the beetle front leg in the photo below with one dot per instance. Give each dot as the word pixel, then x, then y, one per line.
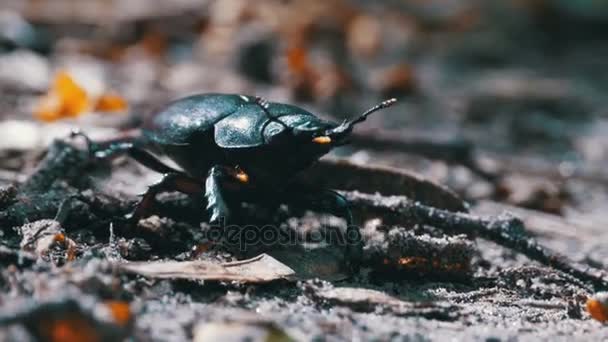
pixel 332 202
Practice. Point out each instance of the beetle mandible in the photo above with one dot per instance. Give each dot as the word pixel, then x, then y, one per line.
pixel 236 148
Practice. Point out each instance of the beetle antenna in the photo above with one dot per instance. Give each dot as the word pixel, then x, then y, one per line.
pixel 347 126
pixel 262 102
pixel 379 106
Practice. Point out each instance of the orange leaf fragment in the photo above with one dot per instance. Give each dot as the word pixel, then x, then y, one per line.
pixel 597 306
pixel 69 329
pixel 65 99
pixel 59 237
pixel 121 311
pixel 111 102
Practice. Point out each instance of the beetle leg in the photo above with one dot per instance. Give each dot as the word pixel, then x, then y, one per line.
pixel 334 203
pixel 111 149
pixel 142 156
pixel 150 161
pixel 102 150
pixel 171 181
pixel 216 203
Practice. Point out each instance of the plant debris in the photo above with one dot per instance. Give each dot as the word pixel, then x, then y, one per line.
pixel 43 237
pixel 367 300
pixel 505 230
pixel 400 252
pixel 597 306
pixel 260 269
pixel 344 175
pixel 257 330
pixel 68 99
pixel 71 319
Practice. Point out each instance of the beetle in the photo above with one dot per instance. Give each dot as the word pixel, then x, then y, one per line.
pixel 235 148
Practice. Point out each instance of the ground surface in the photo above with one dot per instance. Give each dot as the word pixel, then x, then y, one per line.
pixel 503 103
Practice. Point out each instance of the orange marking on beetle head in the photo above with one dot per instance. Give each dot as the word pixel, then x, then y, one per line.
pixel 322 140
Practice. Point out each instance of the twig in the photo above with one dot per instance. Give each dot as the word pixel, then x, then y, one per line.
pixel 504 230
pixel 333 173
pixel 368 300
pixel 446 258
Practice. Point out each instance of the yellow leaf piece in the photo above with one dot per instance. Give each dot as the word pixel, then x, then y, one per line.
pixel 111 102
pixel 65 99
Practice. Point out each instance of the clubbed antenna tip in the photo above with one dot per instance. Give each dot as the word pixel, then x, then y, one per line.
pixel 388 103
pixel 381 105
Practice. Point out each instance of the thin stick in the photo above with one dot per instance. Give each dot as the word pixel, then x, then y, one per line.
pixel 504 230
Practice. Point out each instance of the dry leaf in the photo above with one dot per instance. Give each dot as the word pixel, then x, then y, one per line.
pixel 240 331
pixel 341 174
pixel 65 99
pixel 44 236
pixel 367 300
pixel 260 269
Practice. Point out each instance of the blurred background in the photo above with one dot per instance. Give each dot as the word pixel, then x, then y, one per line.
pixel 502 100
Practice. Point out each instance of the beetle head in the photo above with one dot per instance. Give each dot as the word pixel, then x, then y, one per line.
pixel 293 127
pixel 338 134
pixel 303 129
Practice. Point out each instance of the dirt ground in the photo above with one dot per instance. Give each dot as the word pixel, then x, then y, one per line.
pixel 481 195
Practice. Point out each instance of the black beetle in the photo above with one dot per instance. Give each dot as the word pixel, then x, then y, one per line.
pixel 241 148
